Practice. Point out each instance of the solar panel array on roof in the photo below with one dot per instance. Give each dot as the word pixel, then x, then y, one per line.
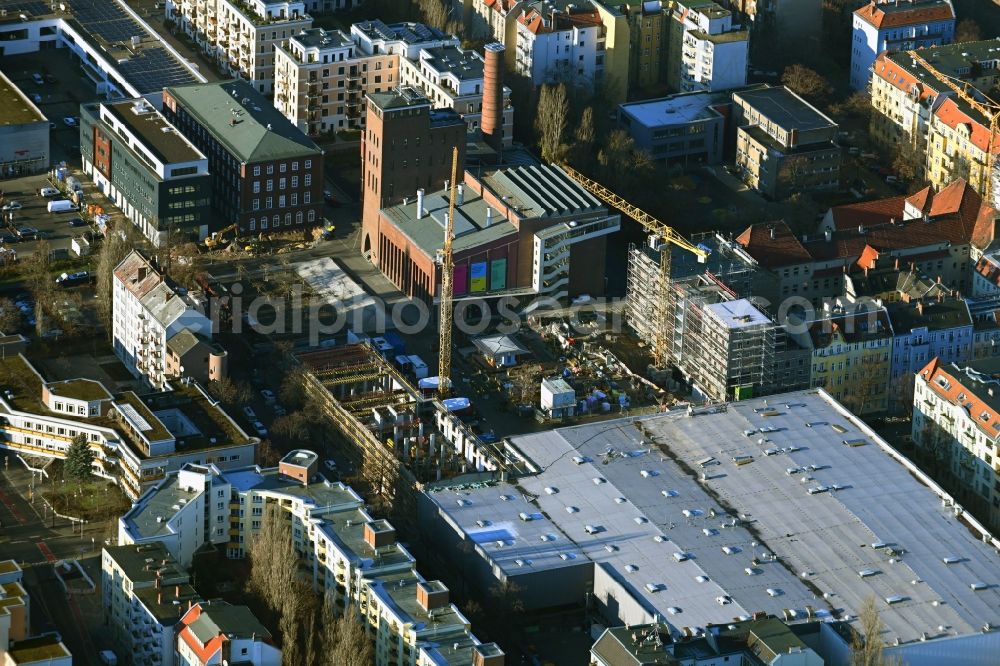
pixel 26 7
pixel 152 69
pixel 106 20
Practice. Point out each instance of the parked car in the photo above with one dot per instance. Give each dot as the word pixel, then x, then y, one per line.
pixel 52 126
pixel 12 205
pixel 37 78
pixel 77 222
pixel 69 121
pixel 249 413
pixel 71 279
pixel 279 410
pixel 48 192
pixel 36 98
pixel 260 428
pixel 28 233
pixel 268 396
pixel 330 464
pixel 7 238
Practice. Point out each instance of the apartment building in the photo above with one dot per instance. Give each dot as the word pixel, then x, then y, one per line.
pixel 913 104
pixel 783 143
pixel 144 595
pixel 956 423
pixel 241 36
pixel 959 145
pixel 323 76
pixel 354 559
pixel 142 163
pixel 496 20
pixel 566 46
pixel 649 30
pixel 17 645
pixel 321 79
pixel 455 78
pixel 147 313
pixel 890 25
pixel 136 441
pixel 707 51
pixel 216 632
pixel 266 174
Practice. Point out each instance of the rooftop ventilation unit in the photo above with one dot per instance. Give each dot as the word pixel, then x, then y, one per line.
pixel 951 559
pixel 865 573
pixel 681 557
pixel 631 568
pixel 978 586
pixel 701 579
pixel 669 493
pixel 572 509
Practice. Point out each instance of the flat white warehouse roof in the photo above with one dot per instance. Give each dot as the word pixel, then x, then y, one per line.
pixel 843 521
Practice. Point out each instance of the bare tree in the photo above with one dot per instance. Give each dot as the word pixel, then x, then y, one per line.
pixel 346 643
pixel 115 247
pixel 867 648
pixel 908 160
pixel 806 82
pixel 585 133
pixel 10 316
pixel 968 31
pixel 550 121
pixel 273 561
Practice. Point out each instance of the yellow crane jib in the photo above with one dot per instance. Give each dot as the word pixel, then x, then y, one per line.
pixel 447 287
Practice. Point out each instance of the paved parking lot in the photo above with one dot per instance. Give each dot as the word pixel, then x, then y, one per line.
pixel 55 227
pixel 61 95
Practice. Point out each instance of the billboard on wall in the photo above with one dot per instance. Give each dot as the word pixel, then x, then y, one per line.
pixel 478 282
pixel 461 279
pixel 498 274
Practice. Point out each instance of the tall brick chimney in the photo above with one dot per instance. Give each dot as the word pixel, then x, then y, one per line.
pixel 491 123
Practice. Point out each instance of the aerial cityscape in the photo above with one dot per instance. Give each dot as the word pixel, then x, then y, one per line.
pixel 500 332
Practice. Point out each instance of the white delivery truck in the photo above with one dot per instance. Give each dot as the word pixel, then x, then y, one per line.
pixel 61 206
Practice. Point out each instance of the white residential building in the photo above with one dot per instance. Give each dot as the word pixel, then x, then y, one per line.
pixel 135 441
pixel 241 36
pixel 147 314
pixel 890 25
pixel 354 559
pixel 216 632
pixel 566 46
pixel 497 20
pixel 706 49
pixel 956 422
pixel 144 595
pixel 452 78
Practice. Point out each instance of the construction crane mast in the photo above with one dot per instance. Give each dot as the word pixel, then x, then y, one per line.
pixel 669 238
pixel 447 287
pixel 986 106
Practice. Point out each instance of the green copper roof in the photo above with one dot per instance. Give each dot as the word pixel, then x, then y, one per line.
pixel 239 117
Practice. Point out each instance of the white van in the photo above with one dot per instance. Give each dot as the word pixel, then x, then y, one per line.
pixel 61 206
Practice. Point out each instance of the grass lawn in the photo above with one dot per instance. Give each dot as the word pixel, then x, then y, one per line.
pixel 98 499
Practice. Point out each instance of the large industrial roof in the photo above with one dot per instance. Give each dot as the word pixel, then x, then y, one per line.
pixel 540 191
pixel 662 505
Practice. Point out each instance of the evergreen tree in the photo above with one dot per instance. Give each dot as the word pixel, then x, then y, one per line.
pixel 79 459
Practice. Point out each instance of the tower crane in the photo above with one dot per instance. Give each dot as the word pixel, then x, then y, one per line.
pixel 669 238
pixel 447 262
pixel 989 109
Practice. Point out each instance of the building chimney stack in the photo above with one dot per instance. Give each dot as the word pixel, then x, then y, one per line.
pixel 773 233
pixel 460 196
pixel 489 216
pixel 491 123
pixel 420 203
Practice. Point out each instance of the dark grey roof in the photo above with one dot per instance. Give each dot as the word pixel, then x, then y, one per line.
pixel 222 618
pixel 244 121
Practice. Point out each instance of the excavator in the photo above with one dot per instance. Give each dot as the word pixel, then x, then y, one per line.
pixel 217 239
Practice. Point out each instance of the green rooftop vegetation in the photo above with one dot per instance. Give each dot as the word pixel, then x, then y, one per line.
pixel 80 389
pixel 38 649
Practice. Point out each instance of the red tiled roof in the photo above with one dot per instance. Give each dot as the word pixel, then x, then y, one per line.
pixel 988 271
pixel 975 406
pixel 987 227
pixel 953 218
pixel 868 258
pixel 952 115
pixel 901 78
pixel 877 16
pixel 868 213
pixel 919 199
pixel 533 21
pixel 128 273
